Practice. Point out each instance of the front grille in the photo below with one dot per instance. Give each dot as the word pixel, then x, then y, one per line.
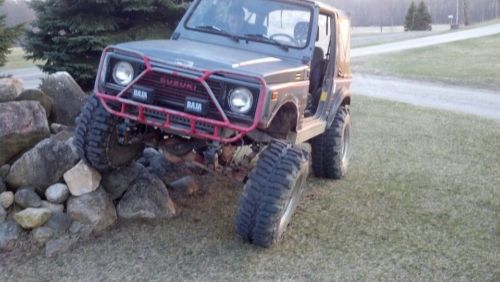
pixel 171 91
pixel 184 123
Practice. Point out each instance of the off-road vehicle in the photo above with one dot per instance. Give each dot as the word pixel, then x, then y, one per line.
pixel 238 81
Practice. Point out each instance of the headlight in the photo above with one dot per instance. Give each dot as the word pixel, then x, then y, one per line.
pixel 123 73
pixel 240 100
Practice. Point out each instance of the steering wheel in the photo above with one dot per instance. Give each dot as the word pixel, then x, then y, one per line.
pixel 289 37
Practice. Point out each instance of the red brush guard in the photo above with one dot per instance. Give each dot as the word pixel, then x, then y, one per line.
pixel 173 83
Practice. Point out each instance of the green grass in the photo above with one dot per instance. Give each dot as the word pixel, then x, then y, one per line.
pixel 421 202
pixel 474 62
pixel 360 40
pixel 16 60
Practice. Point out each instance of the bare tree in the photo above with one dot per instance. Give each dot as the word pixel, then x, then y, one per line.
pixel 466 12
pixel 497 10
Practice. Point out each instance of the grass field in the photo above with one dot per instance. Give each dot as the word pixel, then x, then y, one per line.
pixel 421 202
pixel 473 62
pixel 15 60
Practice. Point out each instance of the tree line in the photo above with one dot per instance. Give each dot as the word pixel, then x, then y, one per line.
pixel 393 12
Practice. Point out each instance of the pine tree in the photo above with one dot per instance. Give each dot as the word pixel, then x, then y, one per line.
pixel 8 36
pixel 69 35
pixel 423 19
pixel 410 17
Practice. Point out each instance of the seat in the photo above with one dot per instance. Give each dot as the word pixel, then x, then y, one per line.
pixel 301 32
pixel 317 70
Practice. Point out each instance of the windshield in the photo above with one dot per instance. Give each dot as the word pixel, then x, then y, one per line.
pixel 273 22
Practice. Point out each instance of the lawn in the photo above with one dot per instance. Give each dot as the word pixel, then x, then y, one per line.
pixel 421 202
pixel 15 60
pixel 474 62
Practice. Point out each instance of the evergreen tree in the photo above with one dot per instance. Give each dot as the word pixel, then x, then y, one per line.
pixel 423 19
pixel 8 36
pixel 69 35
pixel 410 17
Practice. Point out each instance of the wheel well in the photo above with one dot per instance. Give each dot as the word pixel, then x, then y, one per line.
pixel 346 101
pixel 284 121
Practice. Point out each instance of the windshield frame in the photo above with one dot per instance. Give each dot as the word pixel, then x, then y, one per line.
pixel 255 39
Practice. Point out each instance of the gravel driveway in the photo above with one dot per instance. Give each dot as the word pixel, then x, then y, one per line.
pixel 473 101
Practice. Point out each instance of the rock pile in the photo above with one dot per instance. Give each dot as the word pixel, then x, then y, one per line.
pixel 46 190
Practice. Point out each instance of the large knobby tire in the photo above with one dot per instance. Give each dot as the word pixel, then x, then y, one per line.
pixel 96 139
pixel 331 150
pixel 272 193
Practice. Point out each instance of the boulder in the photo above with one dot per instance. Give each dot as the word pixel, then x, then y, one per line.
pixel 58 246
pixel 68 97
pixel 52 207
pixel 3 214
pixel 156 164
pixel 6 199
pixel 9 233
pixel 43 165
pixel 147 198
pixel 119 181
pixel 186 186
pixel 82 179
pixel 4 171
pixel 81 230
pixel 32 217
pixel 57 193
pixel 22 125
pixel 37 95
pixel 95 209
pixel 59 222
pixel 27 198
pixel 3 187
pixel 56 128
pixel 42 234
pixel 10 88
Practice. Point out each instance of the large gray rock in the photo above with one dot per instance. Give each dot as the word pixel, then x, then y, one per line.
pixel 59 222
pixel 31 218
pixel 27 198
pixel 186 186
pixel 95 209
pixel 37 95
pixel 68 97
pixel 42 234
pixel 9 233
pixel 156 164
pixel 81 230
pixel 43 165
pixel 119 181
pixel 82 179
pixel 55 128
pixel 22 125
pixel 3 214
pixel 52 207
pixel 147 198
pixel 57 193
pixel 3 188
pixel 58 246
pixel 10 88
pixel 4 171
pixel 6 199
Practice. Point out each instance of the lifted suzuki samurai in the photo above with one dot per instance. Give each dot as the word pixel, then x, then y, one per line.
pixel 238 81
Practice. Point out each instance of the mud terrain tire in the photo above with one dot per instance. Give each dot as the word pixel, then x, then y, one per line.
pixel 96 139
pixel 272 193
pixel 331 150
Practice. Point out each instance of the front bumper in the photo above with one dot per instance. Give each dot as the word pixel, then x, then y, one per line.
pixel 173 120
